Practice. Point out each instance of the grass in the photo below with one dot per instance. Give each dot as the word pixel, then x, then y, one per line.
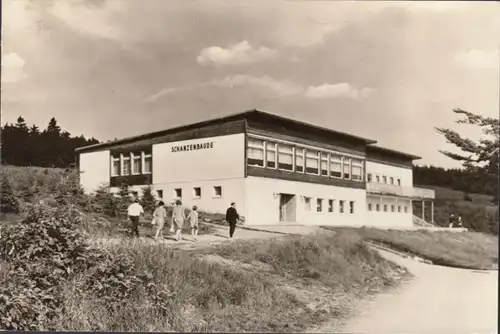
pixel 207 295
pixel 469 250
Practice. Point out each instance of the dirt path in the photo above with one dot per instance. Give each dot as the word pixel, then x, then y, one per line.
pixel 437 300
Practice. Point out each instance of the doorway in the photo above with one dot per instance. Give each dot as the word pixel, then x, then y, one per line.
pixel 288 208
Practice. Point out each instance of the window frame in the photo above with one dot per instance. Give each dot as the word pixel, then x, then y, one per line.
pixel 256 147
pixel 115 158
pixel 147 156
pixel 331 205
pixel 195 196
pixel 317 159
pixel 271 150
pixel 134 156
pixel 288 153
pixel 351 207
pixel 214 192
pixel 334 161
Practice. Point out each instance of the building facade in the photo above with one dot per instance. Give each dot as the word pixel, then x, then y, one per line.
pixel 277 170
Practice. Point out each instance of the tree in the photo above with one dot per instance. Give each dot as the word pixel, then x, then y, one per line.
pixel 148 200
pixel 481 156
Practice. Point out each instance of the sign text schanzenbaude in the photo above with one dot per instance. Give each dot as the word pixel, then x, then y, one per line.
pixel 193 147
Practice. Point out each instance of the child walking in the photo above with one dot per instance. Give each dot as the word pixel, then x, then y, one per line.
pixel 193 221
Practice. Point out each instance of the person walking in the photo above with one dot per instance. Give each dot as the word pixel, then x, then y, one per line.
pixel 451 221
pixel 178 218
pixel 193 221
pixel 160 216
pixel 134 212
pixel 232 218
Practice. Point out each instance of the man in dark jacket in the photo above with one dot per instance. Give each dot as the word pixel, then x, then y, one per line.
pixel 232 218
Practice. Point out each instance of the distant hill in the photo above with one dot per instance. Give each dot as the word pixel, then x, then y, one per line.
pixel 478 211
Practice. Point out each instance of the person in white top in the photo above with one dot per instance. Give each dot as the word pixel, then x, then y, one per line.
pixel 134 211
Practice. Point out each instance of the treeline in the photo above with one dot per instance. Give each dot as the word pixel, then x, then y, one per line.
pixel 29 146
pixel 468 181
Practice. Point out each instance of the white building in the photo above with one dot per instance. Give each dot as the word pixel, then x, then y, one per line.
pixel 277 170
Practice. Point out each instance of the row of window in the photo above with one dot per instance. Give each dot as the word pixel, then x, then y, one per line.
pixel 377 207
pixel 133 163
pixel 331 205
pixel 294 158
pixel 383 179
pixel 196 193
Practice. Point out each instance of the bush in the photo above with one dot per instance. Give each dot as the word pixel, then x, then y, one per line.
pixel 42 253
pixel 148 200
pixel 8 201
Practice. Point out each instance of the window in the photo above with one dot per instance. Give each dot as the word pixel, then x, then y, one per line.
pixel 319 205
pixel 369 177
pixel 178 193
pixel 217 191
pixel 357 169
pixel 324 164
pixel 341 206
pixel 335 166
pixel 115 163
pixel 330 205
pixel 136 163
pixel 307 203
pixel 159 193
pixel 384 178
pixel 377 178
pixel 369 206
pixel 385 207
pixel 312 162
pixel 399 182
pixel 196 192
pixel 377 207
pixel 392 180
pixel 399 208
pixel 126 165
pixel 147 164
pixel 347 168
pixel 351 206
pixel 271 154
pixel 299 160
pixel 255 152
pixel 406 209
pixel 392 208
pixel 285 157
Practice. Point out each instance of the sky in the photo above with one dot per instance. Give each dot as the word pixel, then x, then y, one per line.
pixel 388 71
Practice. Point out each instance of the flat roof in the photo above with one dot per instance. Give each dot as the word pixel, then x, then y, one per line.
pixel 387 151
pixel 234 116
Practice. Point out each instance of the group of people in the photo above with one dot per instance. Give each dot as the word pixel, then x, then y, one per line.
pixel 455 221
pixel 178 218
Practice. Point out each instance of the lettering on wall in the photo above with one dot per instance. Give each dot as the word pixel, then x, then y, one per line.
pixel 193 147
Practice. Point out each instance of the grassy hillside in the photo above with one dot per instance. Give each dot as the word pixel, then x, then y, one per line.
pixel 471 250
pixel 478 211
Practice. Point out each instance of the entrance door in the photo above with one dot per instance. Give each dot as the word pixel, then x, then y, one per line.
pixel 288 208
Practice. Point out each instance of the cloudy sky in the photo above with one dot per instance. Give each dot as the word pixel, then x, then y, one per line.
pixel 389 71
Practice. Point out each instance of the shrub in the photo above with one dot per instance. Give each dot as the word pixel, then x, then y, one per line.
pixel 8 201
pixel 105 202
pixel 42 253
pixel 148 200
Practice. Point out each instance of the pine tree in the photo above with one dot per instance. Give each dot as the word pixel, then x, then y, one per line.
pixel 8 201
pixel 479 157
pixel 148 200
